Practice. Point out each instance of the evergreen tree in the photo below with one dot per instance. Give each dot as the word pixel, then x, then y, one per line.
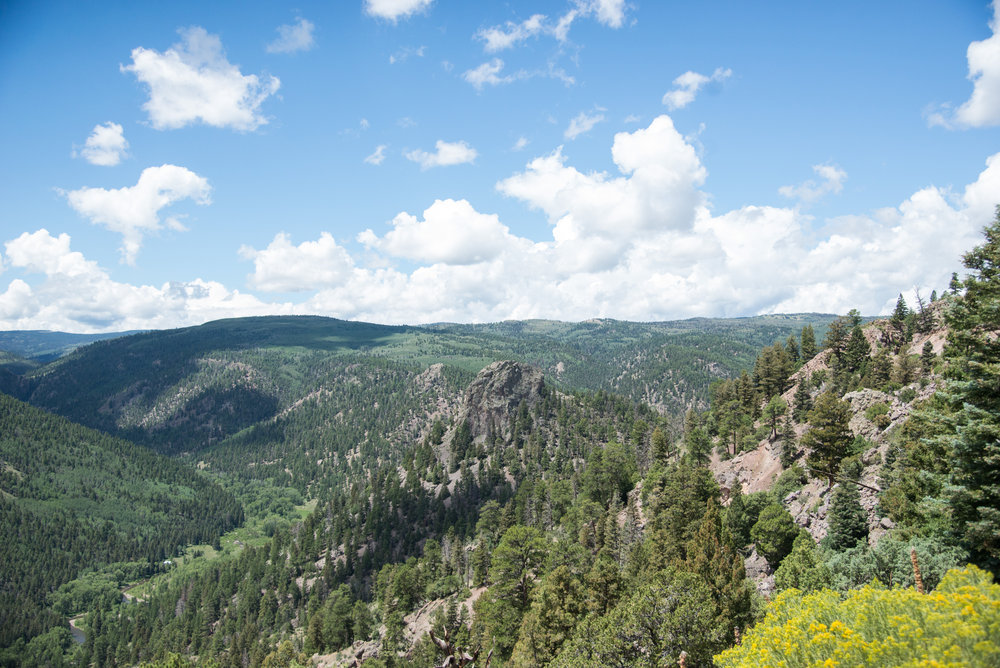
pixel 713 555
pixel 802 400
pixel 829 437
pixel 803 568
pixel 808 339
pixel 514 564
pixel 698 446
pixel 880 368
pixel 558 604
pixel 792 348
pixel 789 443
pixel 856 352
pixel 679 494
pixel 836 338
pixel 670 613
pixel 773 412
pixel 660 445
pixel 848 520
pixel 973 390
pixel 774 532
pixel 905 370
pixel 927 358
pixel 736 520
pixel 772 369
pixel 604 583
pixel 897 323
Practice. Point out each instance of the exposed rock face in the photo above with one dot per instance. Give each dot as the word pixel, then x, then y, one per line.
pixel 862 400
pixel 494 396
pixel 760 573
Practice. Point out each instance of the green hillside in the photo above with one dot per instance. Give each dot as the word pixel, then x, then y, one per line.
pixel 72 498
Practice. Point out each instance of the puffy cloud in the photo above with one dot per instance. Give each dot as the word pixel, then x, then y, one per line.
pixel 452 232
pixel 283 267
pixel 295 37
pixel 595 217
pixel 192 82
pixel 40 252
pixel 498 38
pixel 609 12
pixel 582 123
pixel 641 244
pixel 378 155
pixel 76 295
pixel 135 211
pixel 106 145
pixel 394 10
pixel 687 85
pixel 982 109
pixel 445 154
pixel 833 178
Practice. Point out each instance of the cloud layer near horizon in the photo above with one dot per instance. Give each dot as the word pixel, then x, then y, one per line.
pixel 639 244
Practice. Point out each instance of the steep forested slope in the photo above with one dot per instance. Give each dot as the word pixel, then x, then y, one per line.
pixel 509 448
pixel 73 498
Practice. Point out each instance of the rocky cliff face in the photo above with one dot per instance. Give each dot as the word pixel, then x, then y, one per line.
pixel 757 470
pixel 494 396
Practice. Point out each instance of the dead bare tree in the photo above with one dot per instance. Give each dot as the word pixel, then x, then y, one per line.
pixel 456 657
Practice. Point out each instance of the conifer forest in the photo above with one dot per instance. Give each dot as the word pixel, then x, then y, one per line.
pixel 277 491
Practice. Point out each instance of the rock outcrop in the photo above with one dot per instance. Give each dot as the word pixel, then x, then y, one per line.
pixel 492 399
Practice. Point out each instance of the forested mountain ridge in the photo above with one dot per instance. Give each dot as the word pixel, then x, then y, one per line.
pixel 183 390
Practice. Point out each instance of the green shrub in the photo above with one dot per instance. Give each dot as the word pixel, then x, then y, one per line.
pixel 774 533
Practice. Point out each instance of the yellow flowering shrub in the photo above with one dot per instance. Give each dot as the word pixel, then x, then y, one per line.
pixel 958 624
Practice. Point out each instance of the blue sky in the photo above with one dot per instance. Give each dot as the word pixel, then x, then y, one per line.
pixel 413 161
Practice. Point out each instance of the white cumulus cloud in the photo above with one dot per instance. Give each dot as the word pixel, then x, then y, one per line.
pixel 452 232
pixel 445 154
pixel 687 85
pixel 595 217
pixel 982 109
pixel 193 82
pixel 831 181
pixel 76 295
pixel 609 12
pixel 393 10
pixel 294 37
pixel 106 145
pixel 582 123
pixel 642 243
pixel 284 267
pixel 135 211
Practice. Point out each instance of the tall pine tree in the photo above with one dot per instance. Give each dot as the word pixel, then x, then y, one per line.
pixel 973 390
